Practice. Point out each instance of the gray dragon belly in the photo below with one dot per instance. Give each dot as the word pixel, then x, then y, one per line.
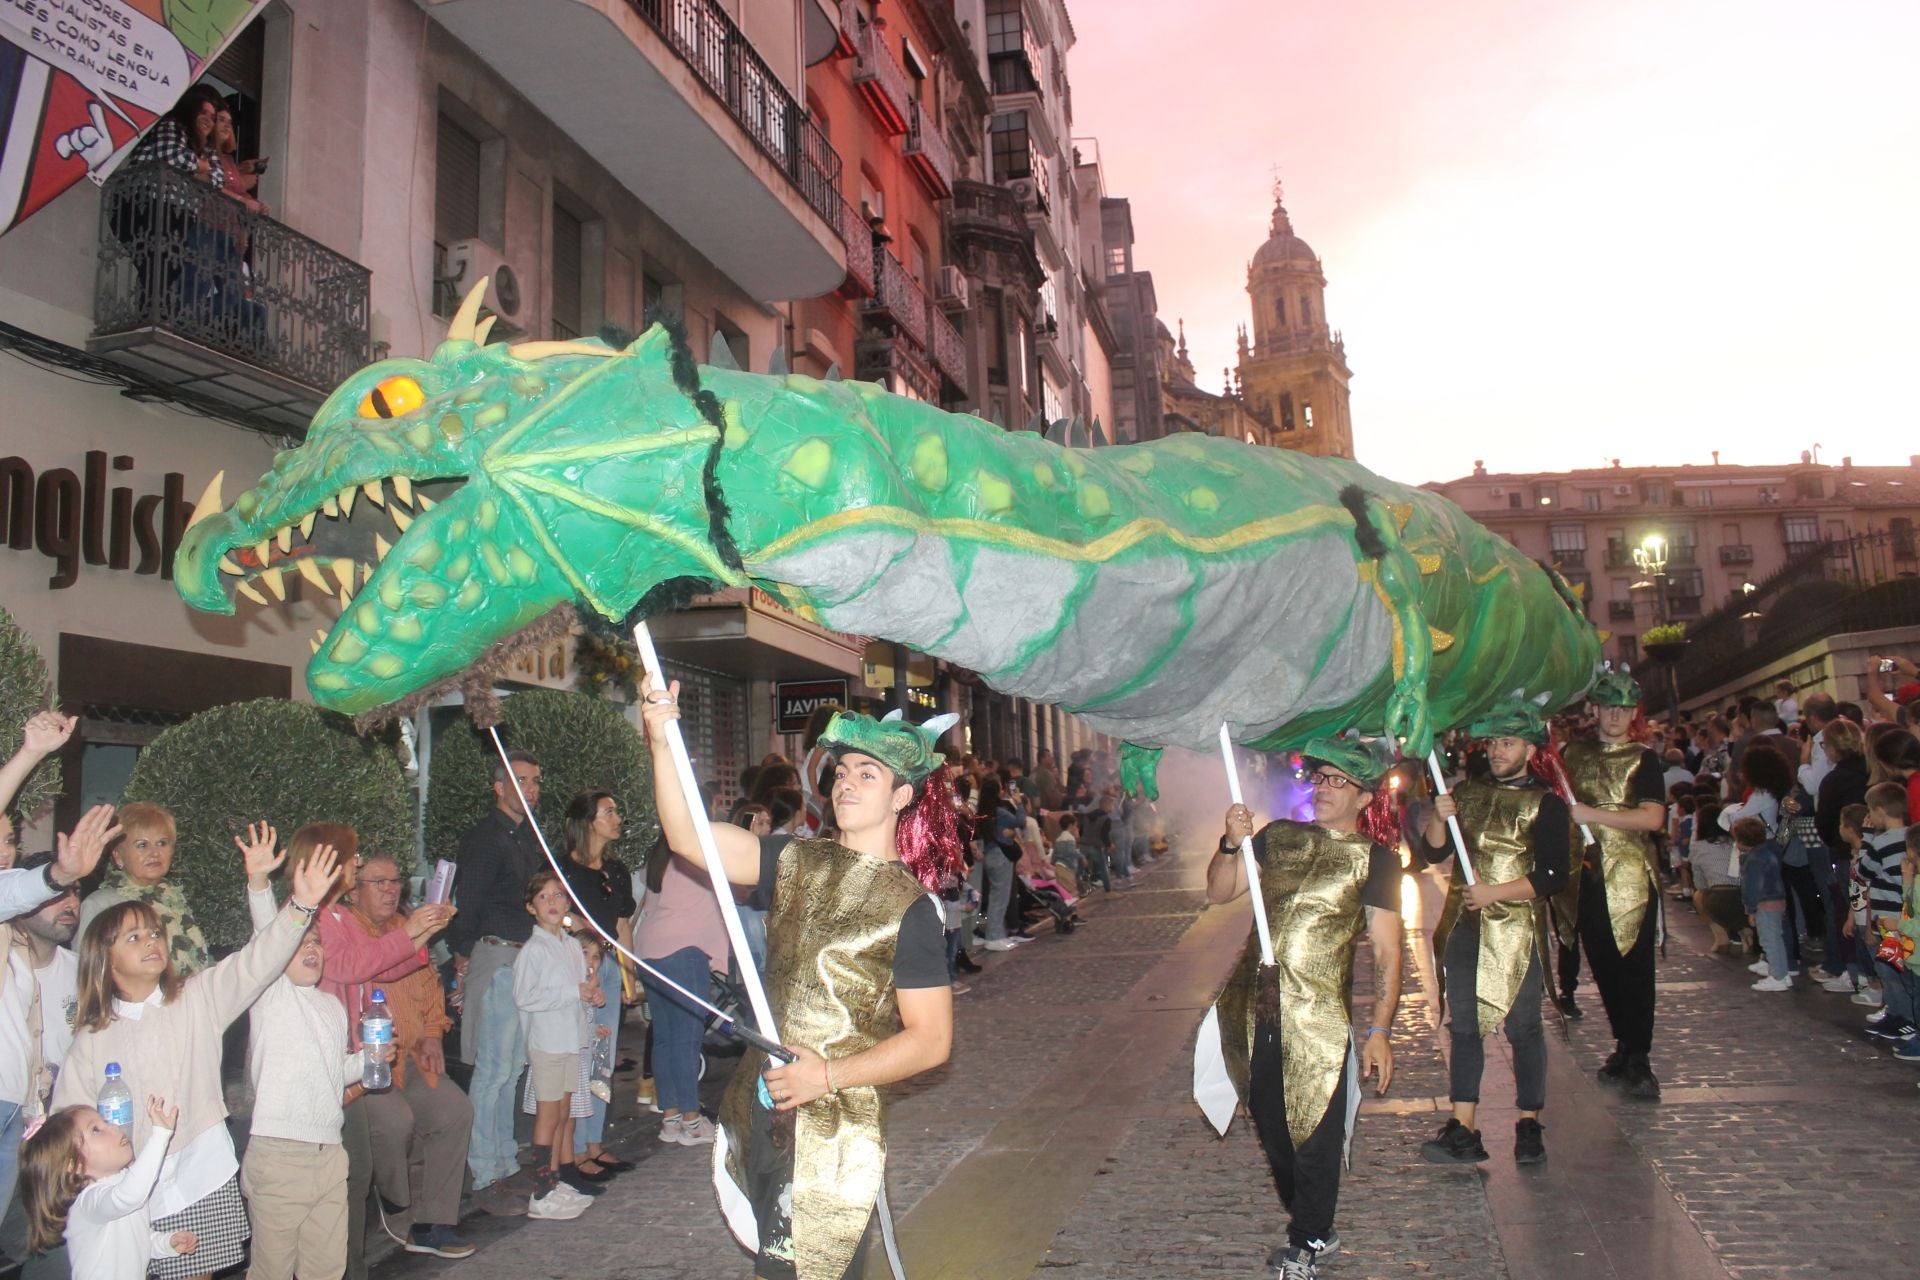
pixel 1150 648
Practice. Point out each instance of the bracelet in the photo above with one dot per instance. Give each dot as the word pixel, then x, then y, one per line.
pixel 53 886
pixel 1385 1031
pixel 832 1092
pixel 308 912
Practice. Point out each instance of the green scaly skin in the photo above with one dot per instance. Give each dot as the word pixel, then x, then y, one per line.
pixel 583 481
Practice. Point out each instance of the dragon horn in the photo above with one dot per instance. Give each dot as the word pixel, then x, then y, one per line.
pixel 940 724
pixel 461 330
pixel 891 715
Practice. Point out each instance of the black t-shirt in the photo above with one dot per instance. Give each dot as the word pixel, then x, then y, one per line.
pixel 1650 780
pixel 920 956
pixel 605 891
pixel 1382 888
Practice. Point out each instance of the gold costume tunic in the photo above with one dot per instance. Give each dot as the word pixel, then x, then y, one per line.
pixel 832 931
pixel 1311 880
pixel 1602 776
pixel 1497 822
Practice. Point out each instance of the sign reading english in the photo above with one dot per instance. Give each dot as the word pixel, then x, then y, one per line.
pixel 81 518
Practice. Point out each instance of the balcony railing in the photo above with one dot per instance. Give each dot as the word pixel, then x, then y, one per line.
pixel 1620 611
pixel 859 237
pixel 1736 553
pixel 177 256
pixel 882 81
pixel 1569 558
pixel 1619 558
pixel 949 351
pixel 727 63
pixel 927 151
pixel 898 296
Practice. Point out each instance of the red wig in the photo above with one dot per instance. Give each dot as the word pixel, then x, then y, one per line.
pixel 928 836
pixel 1380 820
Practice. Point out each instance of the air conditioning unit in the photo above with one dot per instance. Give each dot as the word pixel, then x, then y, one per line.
pixel 1498 492
pixel 469 260
pixel 1025 190
pixel 951 291
pixel 1623 491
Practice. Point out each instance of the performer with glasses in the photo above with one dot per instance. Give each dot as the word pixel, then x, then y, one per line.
pixel 1286 1031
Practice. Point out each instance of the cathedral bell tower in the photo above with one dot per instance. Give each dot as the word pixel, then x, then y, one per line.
pixel 1293 367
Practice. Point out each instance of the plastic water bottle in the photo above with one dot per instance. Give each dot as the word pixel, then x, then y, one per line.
pixel 376 1037
pixel 115 1103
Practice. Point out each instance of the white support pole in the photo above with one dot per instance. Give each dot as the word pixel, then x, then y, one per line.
pixel 1453 824
pixel 1246 854
pixel 709 851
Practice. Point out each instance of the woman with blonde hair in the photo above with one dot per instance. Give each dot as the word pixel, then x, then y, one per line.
pixel 164 1031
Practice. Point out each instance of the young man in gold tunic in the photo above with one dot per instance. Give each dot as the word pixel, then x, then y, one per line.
pixel 1619 791
pixel 856 976
pixel 1491 941
pixel 1286 1032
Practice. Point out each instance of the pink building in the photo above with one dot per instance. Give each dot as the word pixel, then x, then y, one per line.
pixel 1725 527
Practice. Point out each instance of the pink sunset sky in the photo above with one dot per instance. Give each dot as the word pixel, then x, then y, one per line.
pixel 1554 232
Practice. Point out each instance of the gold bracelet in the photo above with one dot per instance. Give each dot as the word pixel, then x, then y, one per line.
pixel 831 1091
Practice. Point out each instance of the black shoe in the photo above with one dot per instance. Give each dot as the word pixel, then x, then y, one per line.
pixel 967 964
pixel 1640 1081
pixel 1295 1264
pixel 1613 1072
pixel 1320 1249
pixel 1529 1146
pixel 1891 1029
pixel 1569 1009
pixel 1455 1144
pixel 585 1184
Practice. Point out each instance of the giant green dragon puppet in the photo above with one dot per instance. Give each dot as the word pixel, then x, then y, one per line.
pixel 1155 590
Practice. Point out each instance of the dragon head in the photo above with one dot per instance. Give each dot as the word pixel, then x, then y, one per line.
pixel 566 471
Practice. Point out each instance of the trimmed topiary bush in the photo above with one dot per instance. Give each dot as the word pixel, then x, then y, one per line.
pixel 286 763
pixel 24 690
pixel 583 744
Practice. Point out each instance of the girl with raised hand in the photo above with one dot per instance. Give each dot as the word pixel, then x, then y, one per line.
pixel 165 1032
pixel 80 1181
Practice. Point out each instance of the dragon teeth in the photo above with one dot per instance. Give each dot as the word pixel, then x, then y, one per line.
pixel 381 546
pixel 246 589
pixel 210 503
pixel 403 489
pixel 228 566
pixel 306 524
pixel 315 646
pixel 376 493
pixel 332 508
pixel 343 573
pixel 345 599
pixel 366 574
pixel 311 572
pixel 284 538
pixel 276 583
pixel 426 503
pixel 347 495
pixel 400 518
pixel 261 550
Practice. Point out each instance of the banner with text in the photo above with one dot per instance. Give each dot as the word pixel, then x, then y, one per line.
pixel 81 80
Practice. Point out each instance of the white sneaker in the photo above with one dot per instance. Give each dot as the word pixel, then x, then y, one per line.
pixel 579 1197
pixel 556 1207
pixel 1018 940
pixel 1869 997
pixel 1842 985
pixel 1877 1017
pixel 1002 944
pixel 1760 967
pixel 695 1131
pixel 1774 984
pixel 670 1129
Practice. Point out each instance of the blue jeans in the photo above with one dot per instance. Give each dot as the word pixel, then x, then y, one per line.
pixel 678 1028
pixel 1772 927
pixel 594 1127
pixel 1123 854
pixel 1897 989
pixel 1097 869
pixel 999 889
pixel 13 1128
pixel 500 1052
pixel 753 923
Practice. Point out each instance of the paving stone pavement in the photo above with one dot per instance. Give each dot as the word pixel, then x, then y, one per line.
pixel 1784 1147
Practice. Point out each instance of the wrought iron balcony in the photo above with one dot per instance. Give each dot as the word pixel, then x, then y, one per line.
pixel 898 297
pixel 1569 558
pixel 949 351
pixel 927 151
pixel 859 237
pixel 1619 557
pixel 192 290
pixel 878 75
pixel 707 40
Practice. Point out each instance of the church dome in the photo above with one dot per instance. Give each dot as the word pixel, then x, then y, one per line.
pixel 1282 245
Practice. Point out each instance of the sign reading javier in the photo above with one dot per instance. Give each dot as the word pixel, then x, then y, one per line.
pixel 81 80
pixel 795 701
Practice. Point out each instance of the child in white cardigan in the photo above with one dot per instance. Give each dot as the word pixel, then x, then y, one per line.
pixel 79 1180
pixel 552 989
pixel 295 1171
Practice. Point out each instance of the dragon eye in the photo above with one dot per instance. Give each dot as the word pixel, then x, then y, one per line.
pixel 394 398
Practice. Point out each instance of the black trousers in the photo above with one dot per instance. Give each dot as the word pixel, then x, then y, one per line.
pixel 1625 982
pixel 768 1166
pixel 1307 1176
pixel 1524 1030
pixel 1569 966
pixel 1804 893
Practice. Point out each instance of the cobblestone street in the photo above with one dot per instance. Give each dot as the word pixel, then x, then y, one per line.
pixel 1062 1138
